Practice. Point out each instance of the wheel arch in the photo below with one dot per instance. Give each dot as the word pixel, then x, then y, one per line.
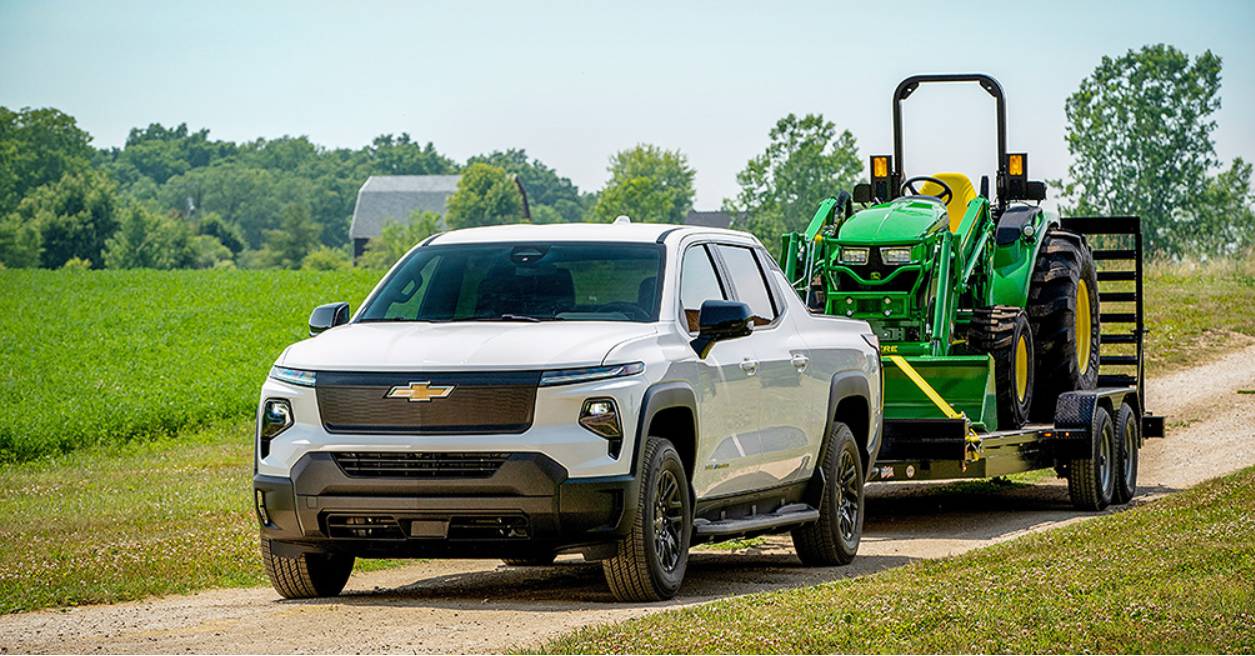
pixel 849 402
pixel 668 410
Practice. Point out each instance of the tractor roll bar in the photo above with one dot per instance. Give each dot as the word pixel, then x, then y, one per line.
pixel 910 84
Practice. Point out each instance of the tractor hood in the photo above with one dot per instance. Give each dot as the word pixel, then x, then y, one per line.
pixel 905 220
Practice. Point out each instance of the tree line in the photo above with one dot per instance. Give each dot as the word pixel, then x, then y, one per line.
pixel 1139 132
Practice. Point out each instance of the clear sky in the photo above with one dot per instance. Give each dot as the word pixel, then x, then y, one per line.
pixel 573 83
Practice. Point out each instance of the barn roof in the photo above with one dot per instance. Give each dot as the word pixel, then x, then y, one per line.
pixel 396 196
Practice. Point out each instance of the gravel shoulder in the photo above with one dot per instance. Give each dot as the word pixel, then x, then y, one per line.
pixel 466 606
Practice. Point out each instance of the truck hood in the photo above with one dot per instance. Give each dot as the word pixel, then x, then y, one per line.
pixel 496 346
pixel 905 220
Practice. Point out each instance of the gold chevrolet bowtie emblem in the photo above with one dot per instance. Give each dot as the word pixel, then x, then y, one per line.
pixel 418 392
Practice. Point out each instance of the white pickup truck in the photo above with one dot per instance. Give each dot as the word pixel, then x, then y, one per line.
pixel 623 391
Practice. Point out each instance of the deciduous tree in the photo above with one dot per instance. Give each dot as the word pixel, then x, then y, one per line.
pixel 1139 130
pixel 648 184
pixel 806 162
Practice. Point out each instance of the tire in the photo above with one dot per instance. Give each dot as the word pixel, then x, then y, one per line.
pixel 1004 332
pixel 1128 441
pixel 834 539
pixel 1092 481
pixel 1063 311
pixel 652 558
pixel 534 561
pixel 307 575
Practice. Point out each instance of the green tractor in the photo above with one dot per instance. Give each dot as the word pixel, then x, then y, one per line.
pixel 986 308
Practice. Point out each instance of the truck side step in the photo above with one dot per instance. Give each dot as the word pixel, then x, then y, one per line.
pixel 794 513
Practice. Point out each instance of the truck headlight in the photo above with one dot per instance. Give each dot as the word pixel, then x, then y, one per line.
pixel 895 255
pixel 293 376
pixel 568 376
pixel 601 416
pixel 276 417
pixel 854 255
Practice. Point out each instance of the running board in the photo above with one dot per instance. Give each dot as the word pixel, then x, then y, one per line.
pixel 794 513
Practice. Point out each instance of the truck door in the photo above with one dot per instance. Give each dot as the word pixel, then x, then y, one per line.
pixel 728 447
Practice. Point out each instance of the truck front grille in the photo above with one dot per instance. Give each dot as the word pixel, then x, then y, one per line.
pixel 442 403
pixel 393 464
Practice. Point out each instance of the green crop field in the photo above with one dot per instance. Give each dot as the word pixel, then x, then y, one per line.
pixel 108 356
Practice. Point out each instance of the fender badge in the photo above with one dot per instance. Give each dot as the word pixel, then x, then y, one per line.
pixel 419 392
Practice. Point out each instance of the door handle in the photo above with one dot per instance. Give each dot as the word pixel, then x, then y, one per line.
pixel 750 367
pixel 799 362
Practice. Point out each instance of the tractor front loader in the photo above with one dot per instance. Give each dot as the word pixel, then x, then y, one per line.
pixel 987 310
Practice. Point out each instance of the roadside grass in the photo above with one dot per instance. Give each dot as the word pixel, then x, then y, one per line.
pixel 1197 312
pixel 123 521
pixel 1176 575
pixel 93 357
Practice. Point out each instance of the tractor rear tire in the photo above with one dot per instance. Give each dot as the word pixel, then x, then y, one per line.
pixel 1003 331
pixel 1092 480
pixel 1128 440
pixel 1063 310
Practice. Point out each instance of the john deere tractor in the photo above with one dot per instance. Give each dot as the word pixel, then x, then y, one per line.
pixel 986 306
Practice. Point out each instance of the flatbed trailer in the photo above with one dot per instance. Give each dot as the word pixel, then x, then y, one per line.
pixel 936 449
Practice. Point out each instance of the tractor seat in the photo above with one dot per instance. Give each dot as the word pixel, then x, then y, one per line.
pixel 963 193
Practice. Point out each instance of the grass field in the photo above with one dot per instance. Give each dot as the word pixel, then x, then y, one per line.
pixel 1174 576
pixel 123 521
pixel 92 357
pixel 126 403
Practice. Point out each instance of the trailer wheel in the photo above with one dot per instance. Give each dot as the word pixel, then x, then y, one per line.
pixel 306 575
pixel 834 539
pixel 652 558
pixel 534 561
pixel 1004 332
pixel 1063 309
pixel 1128 440
pixel 1092 480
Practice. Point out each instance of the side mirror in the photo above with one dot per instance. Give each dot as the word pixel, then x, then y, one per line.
pixel 328 316
pixel 720 320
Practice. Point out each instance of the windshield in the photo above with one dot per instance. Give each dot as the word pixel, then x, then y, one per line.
pixel 522 282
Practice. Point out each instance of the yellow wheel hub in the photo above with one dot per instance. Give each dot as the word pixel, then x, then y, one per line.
pixel 1084 327
pixel 1021 369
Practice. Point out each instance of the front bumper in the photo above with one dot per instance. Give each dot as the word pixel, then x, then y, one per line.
pixel 527 508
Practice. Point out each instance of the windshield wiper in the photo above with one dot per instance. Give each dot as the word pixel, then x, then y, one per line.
pixel 383 320
pixel 513 317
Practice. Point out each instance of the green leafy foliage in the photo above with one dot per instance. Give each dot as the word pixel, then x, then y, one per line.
pixel 545 189
pixel 20 243
pixel 648 184
pixel 110 356
pixel 486 195
pixel 145 239
pixel 398 238
pixel 327 259
pixel 1221 221
pixel 1139 130
pixel 295 238
pixel 806 162
pixel 74 216
pixel 38 147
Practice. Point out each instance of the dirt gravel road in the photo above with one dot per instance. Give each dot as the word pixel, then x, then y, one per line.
pixel 482 606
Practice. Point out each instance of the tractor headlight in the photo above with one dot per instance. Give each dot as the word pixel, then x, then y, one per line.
pixel 895 255
pixel 854 255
